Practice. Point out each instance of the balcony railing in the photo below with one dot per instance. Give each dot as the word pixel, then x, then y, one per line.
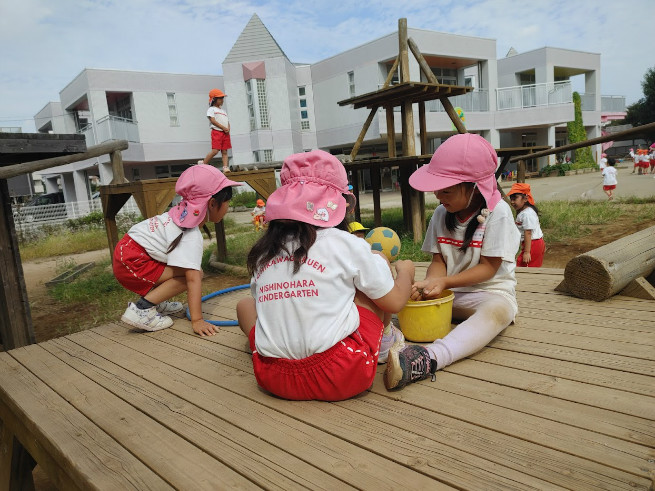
pixel 476 101
pixel 588 102
pixel 612 104
pixel 110 128
pixel 525 96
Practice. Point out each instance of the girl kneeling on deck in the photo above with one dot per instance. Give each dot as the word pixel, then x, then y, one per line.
pixel 319 295
pixel 473 241
pixel 160 257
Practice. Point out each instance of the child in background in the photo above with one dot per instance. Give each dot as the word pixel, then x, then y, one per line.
pixel 220 128
pixel 357 229
pixel 603 161
pixel 160 257
pixel 635 160
pixel 609 179
pixel 527 221
pixel 315 319
pixel 473 241
pixel 258 214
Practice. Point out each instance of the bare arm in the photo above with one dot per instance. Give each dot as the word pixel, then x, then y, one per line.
pixel 194 298
pixel 396 299
pixel 527 245
pixel 213 121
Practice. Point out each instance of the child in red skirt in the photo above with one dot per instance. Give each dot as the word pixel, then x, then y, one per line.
pixel 319 296
pixel 609 178
pixel 160 257
pixel 220 128
pixel 527 221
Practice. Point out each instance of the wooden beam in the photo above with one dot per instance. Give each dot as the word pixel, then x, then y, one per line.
pixel 454 117
pixel 391 133
pixel 403 57
pixel 37 165
pixel 422 128
pixel 594 141
pixel 394 67
pixel 639 288
pixel 117 168
pixel 362 133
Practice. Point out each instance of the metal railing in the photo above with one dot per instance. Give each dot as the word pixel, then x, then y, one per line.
pixel 476 101
pixel 612 104
pixel 110 128
pixel 30 217
pixel 525 96
pixel 588 102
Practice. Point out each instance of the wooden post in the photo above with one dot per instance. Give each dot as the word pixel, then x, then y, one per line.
pixel 422 128
pixel 117 168
pixel 355 184
pixel 15 317
pixel 403 57
pixel 520 174
pixel 376 184
pixel 391 133
pixel 221 243
pixel 394 67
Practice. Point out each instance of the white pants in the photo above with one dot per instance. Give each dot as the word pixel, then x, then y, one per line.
pixel 486 314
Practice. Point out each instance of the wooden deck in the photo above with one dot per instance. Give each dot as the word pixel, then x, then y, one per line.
pixel 565 398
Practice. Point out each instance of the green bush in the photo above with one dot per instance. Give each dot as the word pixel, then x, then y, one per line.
pixel 94 218
pixel 247 199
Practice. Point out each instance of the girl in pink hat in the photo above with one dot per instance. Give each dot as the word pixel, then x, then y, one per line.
pixel 473 242
pixel 319 295
pixel 160 257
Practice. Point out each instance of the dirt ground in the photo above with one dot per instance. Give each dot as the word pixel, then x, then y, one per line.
pixel 49 316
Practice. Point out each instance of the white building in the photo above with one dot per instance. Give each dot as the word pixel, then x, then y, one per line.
pixel 277 107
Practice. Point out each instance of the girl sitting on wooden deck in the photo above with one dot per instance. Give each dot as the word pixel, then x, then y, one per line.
pixel 319 295
pixel 473 241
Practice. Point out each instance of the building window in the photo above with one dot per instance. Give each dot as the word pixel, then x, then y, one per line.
pixel 304 115
pixel 445 76
pixel 268 155
pixel 303 102
pixel 262 155
pixel 301 91
pixel 263 103
pixel 351 83
pixel 172 109
pixel 136 174
pixel 255 156
pixel 304 125
pixel 257 103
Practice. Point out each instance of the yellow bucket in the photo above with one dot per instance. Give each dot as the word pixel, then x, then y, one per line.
pixel 427 320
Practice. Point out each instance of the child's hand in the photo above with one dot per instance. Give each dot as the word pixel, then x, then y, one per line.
pixel 527 257
pixel 405 266
pixel 428 288
pixel 203 328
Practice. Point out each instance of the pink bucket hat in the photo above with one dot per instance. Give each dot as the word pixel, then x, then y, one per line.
pixel 196 185
pixel 313 185
pixel 465 157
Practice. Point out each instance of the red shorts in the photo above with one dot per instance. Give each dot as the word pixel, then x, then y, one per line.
pixel 537 249
pixel 610 187
pixel 134 268
pixel 221 140
pixel 341 372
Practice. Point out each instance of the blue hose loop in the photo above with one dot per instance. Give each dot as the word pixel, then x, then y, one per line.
pixel 215 294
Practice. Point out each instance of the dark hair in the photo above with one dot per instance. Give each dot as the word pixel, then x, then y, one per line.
pixel 222 196
pixel 451 221
pixel 214 99
pixel 278 236
pixel 611 161
pixel 534 207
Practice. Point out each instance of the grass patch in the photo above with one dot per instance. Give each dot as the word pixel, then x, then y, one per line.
pixel 562 220
pixel 64 243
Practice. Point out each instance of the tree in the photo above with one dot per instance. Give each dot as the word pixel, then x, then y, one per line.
pixel 643 111
pixel 577 133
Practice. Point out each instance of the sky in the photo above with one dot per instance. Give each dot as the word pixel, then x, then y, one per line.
pixel 47 43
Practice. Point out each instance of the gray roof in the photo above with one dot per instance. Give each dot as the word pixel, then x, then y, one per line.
pixel 255 43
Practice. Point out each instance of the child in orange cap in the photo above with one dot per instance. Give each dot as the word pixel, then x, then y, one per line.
pixel 527 221
pixel 258 214
pixel 220 128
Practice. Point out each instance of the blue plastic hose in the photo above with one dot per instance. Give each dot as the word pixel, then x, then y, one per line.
pixel 215 294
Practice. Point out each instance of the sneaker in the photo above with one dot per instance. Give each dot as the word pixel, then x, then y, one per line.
pixel 407 364
pixel 388 340
pixel 167 307
pixel 147 319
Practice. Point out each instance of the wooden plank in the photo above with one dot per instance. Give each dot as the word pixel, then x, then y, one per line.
pixel 582 325
pixel 639 288
pixel 242 451
pixel 176 460
pixel 600 449
pixel 588 378
pixel 533 394
pixel 559 336
pixel 71 449
pixel 290 425
pixel 619 307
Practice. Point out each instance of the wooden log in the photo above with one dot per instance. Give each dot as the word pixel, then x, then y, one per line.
pixel 605 271
pixel 37 165
pixel 639 288
pixel 391 133
pixel 362 133
pixel 394 67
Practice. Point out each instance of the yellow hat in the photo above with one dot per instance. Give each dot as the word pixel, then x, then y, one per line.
pixel 357 227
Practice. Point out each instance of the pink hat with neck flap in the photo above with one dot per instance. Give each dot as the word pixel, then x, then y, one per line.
pixel 465 157
pixel 196 185
pixel 313 188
